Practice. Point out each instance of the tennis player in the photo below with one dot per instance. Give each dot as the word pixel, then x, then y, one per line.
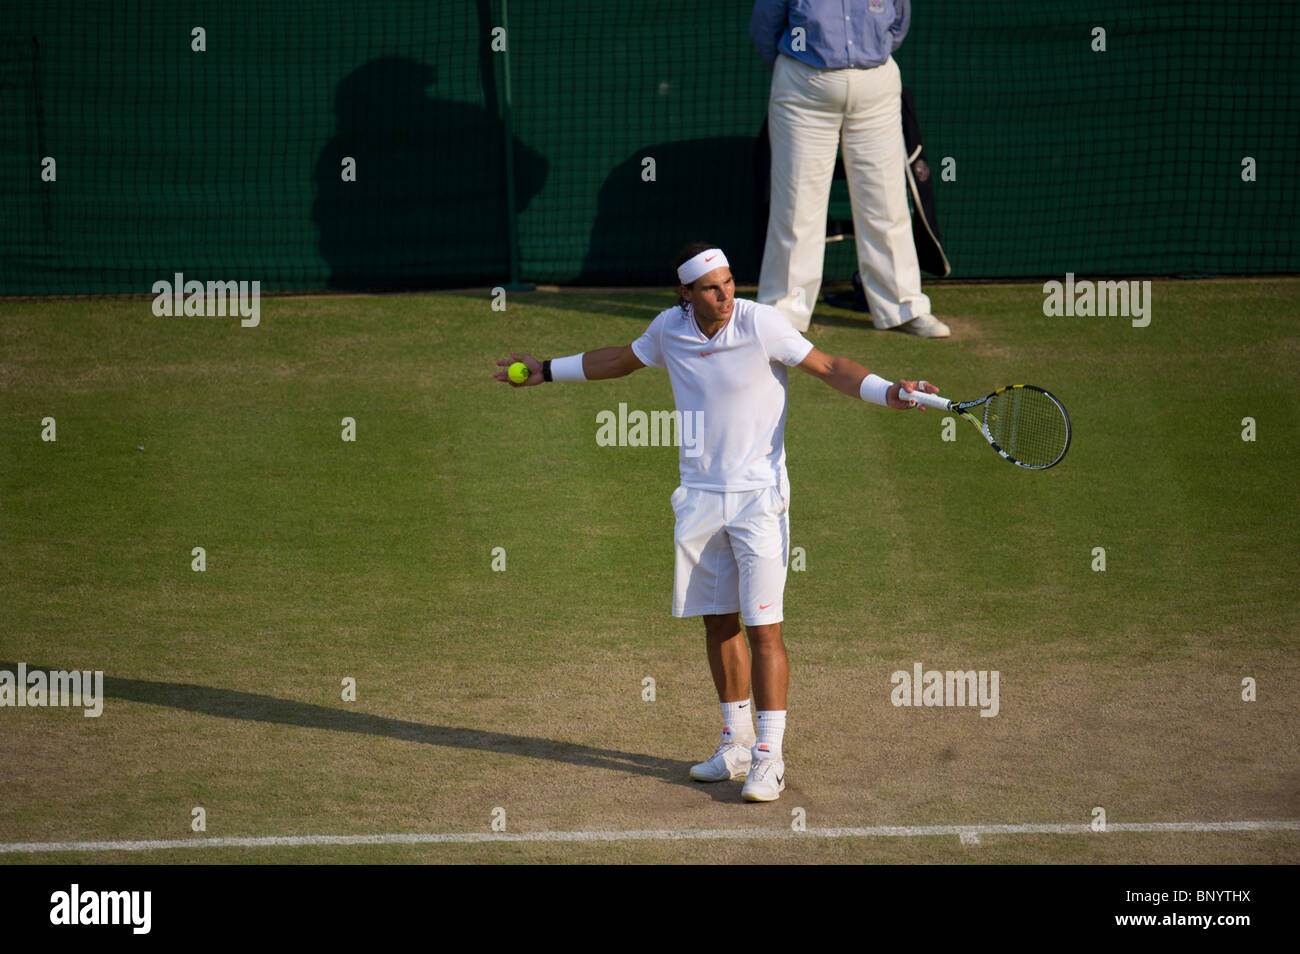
pixel 727 358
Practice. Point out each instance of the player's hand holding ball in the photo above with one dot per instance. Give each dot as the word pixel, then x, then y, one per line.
pixel 522 371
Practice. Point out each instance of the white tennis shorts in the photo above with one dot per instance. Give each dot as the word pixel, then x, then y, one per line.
pixel 732 552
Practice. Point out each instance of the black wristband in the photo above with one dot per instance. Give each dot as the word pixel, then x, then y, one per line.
pixel 546 370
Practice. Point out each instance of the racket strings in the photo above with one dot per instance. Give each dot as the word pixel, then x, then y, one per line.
pixel 1028 425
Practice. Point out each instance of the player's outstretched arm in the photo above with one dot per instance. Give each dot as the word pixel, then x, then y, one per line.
pixel 851 378
pixel 610 363
pixel 588 366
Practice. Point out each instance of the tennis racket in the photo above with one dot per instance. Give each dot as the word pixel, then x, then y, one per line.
pixel 1026 425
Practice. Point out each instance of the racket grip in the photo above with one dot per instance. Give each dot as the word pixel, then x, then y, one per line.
pixel 925 398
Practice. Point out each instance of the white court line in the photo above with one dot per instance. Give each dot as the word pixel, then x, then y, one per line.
pixel 966 832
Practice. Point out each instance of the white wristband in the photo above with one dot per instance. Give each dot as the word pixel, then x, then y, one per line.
pixel 568 369
pixel 875 389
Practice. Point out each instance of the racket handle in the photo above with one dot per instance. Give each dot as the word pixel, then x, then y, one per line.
pixel 925 398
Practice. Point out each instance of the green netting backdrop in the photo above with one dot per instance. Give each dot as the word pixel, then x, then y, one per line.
pixel 227 164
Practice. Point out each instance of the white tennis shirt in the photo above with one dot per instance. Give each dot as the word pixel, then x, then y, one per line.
pixel 737 381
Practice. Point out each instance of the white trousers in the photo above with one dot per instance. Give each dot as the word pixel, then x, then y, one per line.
pixel 810 113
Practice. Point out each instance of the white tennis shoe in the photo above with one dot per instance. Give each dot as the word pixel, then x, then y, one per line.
pixel 766 779
pixel 926 326
pixel 730 761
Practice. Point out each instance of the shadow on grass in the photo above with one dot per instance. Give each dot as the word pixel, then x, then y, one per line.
pixel 841 318
pixel 253 707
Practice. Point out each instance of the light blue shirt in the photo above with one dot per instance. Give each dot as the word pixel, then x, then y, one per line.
pixel 830 34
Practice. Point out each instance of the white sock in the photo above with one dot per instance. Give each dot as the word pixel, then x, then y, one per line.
pixel 771 732
pixel 738 722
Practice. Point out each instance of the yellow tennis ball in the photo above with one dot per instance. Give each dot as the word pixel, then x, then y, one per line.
pixel 519 372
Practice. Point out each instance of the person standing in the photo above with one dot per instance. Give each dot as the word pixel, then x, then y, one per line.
pixel 727 361
pixel 835 85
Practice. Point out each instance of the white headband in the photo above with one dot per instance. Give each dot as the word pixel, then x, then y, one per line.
pixel 702 264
